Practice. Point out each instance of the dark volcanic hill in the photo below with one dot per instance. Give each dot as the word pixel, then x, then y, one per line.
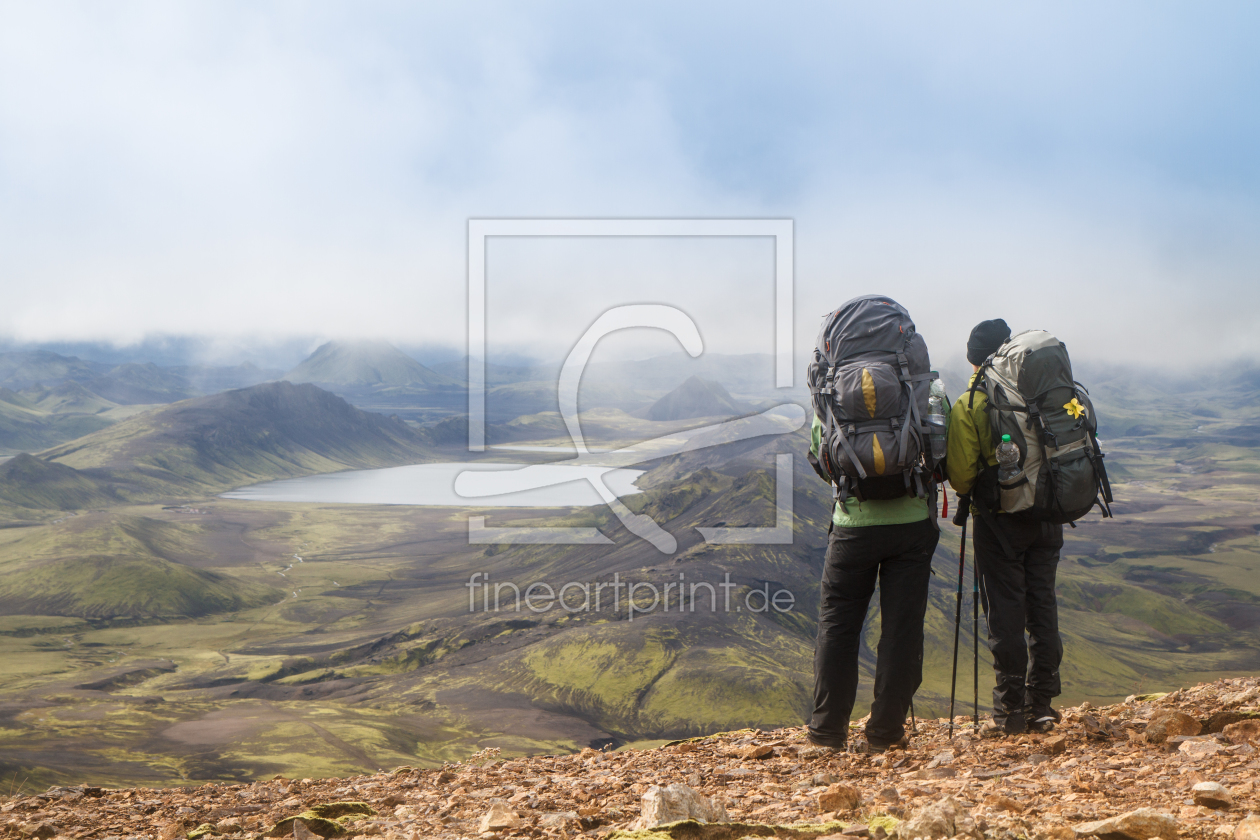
pixel 214 443
pixel 696 398
pixel 366 364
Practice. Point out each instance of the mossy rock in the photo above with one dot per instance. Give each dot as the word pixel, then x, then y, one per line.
pixel 316 823
pixel 1146 698
pixel 714 737
pixel 203 830
pixel 333 810
pixel 693 830
pixel 884 821
pixel 330 819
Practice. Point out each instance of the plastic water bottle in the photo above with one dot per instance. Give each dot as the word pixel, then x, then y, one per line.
pixel 1008 460
pixel 936 426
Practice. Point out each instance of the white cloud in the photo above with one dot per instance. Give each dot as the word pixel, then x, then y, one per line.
pixel 296 169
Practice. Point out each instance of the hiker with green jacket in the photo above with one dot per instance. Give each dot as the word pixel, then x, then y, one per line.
pixel 1017 558
pixel 870 381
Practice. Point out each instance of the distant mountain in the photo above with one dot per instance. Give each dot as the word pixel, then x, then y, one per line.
pixel 210 444
pixel 23 368
pixel 29 482
pixel 696 398
pixel 496 374
pixel 142 384
pixel 210 380
pixel 69 397
pixel 366 364
pixel 26 427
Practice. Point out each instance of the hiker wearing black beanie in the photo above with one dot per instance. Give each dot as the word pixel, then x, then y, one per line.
pixel 985 339
pixel 1017 587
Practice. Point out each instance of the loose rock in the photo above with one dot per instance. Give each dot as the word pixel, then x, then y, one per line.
pixel 1140 824
pixel 1212 795
pixel 1242 732
pixel 678 802
pixel 839 797
pixel 499 817
pixel 755 752
pixel 1200 749
pixel 1248 829
pixel 1003 803
pixel 301 832
pixel 938 820
pixel 1168 724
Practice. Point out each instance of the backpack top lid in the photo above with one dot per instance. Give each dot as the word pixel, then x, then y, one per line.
pixel 1035 362
pixel 870 323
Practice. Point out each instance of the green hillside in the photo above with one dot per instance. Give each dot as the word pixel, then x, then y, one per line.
pixel 125 587
pixel 29 482
pixel 69 397
pixel 26 426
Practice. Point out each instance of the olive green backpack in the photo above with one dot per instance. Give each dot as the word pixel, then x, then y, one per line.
pixel 1034 399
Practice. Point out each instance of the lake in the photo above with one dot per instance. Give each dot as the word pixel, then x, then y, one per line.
pixel 478 484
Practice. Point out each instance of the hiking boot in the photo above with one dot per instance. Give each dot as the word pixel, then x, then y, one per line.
pixel 1041 718
pixel 878 746
pixel 1005 723
pixel 830 747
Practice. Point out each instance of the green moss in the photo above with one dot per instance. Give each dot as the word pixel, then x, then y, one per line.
pixel 331 819
pixel 1155 695
pixel 885 821
pixel 333 810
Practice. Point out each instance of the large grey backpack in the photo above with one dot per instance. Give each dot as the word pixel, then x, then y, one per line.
pixel 1034 399
pixel 869 381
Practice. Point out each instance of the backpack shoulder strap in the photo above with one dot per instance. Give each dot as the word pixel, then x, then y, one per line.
pixel 975 386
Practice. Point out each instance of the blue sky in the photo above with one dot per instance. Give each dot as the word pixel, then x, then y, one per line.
pixel 254 172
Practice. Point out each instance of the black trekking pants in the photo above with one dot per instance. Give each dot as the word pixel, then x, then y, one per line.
pixel 1018 596
pixel 900 558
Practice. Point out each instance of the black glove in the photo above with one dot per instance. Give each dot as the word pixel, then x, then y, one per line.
pixel 964 510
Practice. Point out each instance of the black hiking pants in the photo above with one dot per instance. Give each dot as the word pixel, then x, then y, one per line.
pixel 1018 596
pixel 899 557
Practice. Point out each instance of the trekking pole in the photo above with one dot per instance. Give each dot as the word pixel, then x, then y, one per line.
pixel 914 724
pixel 975 645
pixel 953 678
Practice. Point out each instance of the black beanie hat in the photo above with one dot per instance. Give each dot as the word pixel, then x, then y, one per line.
pixel 985 339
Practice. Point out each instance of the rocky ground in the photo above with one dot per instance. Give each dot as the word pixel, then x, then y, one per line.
pixel 1183 764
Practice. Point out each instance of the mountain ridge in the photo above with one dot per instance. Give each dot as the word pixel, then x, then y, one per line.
pixel 696 397
pixel 366 364
pixel 214 443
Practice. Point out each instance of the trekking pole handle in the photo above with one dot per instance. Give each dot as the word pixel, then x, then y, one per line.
pixel 964 510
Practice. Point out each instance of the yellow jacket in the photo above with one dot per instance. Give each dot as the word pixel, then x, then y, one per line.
pixel 970 435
